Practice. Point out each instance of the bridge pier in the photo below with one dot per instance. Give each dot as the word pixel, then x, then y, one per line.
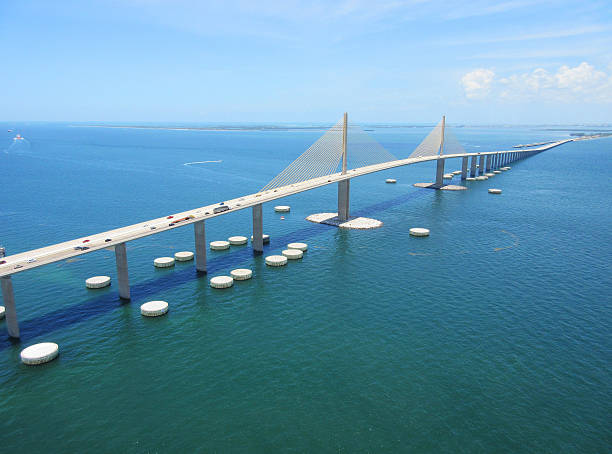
pixel 122 271
pixel 12 325
pixel 495 162
pixel 257 229
pixel 464 166
pixel 343 199
pixel 473 167
pixel 488 168
pixel 481 165
pixel 439 173
pixel 199 230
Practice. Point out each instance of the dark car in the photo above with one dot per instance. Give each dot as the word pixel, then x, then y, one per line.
pixel 108 240
pixel 2 262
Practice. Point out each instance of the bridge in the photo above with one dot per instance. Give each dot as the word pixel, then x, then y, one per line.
pixel 344 152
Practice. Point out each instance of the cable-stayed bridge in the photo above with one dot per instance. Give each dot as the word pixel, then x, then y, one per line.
pixel 344 152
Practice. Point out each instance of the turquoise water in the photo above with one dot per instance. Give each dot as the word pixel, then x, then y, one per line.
pixel 491 335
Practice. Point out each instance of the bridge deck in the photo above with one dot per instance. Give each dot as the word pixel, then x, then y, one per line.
pixel 38 257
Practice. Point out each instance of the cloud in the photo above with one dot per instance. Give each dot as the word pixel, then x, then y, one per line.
pixel 582 83
pixel 477 84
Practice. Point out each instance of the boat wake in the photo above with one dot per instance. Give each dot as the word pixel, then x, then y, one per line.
pixel 199 162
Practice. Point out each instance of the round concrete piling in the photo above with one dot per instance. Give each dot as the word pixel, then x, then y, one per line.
pixel 183 256
pixel 448 176
pixel 282 208
pixel 154 308
pixel 489 174
pixel 2 310
pixel 495 191
pixel 266 238
pixel 237 240
pixel 39 353
pixel 390 180
pixel 219 245
pixel 276 260
pixel 241 274
pixel 418 231
pixel 221 282
pixel 456 172
pixel 471 179
pixel 482 178
pixel 163 262
pixel 98 282
pixel 293 254
pixel 299 246
pixel 496 171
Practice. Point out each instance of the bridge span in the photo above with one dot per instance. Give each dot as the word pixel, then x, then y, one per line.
pixel 116 239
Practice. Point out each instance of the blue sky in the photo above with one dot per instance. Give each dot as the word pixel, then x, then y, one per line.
pixel 507 61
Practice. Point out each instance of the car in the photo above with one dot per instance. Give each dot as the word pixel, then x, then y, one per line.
pixel 86 241
pixel 77 248
pixel 17 267
pixel 84 248
pixel 207 212
pixel 169 217
pixel 222 203
pixel 108 240
pixel 2 262
pixel 153 227
pixel 31 260
pixel 171 224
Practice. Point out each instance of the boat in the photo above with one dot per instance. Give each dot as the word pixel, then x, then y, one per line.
pixel 18 137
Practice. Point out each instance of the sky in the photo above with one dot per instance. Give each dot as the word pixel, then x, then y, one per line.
pixel 477 61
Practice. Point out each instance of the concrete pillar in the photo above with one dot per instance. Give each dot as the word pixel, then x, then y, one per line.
pixel 199 230
pixel 488 163
pixel 10 312
pixel 464 165
pixel 257 229
pixel 481 165
pixel 473 167
pixel 440 173
pixel 495 162
pixel 122 271
pixel 343 199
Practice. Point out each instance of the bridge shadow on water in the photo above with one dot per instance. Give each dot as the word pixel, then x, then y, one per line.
pixel 79 312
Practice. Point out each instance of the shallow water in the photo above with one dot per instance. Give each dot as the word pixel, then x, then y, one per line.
pixel 491 335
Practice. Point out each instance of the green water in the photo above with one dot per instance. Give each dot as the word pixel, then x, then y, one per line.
pixel 491 335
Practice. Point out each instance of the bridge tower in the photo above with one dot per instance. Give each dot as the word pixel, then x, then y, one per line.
pixel 344 185
pixel 440 162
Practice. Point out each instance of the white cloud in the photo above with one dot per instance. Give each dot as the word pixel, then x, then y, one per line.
pixel 477 84
pixel 583 83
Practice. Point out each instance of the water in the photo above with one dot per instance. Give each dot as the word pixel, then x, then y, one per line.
pixel 491 335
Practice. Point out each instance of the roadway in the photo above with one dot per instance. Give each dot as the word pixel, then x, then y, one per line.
pixel 28 260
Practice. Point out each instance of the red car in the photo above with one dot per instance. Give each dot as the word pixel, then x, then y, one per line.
pixel 169 217
pixel 86 241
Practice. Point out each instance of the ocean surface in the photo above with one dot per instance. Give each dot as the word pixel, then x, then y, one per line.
pixel 492 335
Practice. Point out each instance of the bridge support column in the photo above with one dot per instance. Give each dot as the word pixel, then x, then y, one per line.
pixel 199 230
pixel 257 229
pixel 473 167
pixel 481 165
pixel 464 166
pixel 122 271
pixel 495 162
pixel 343 199
pixel 9 303
pixel 440 173
pixel 488 163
